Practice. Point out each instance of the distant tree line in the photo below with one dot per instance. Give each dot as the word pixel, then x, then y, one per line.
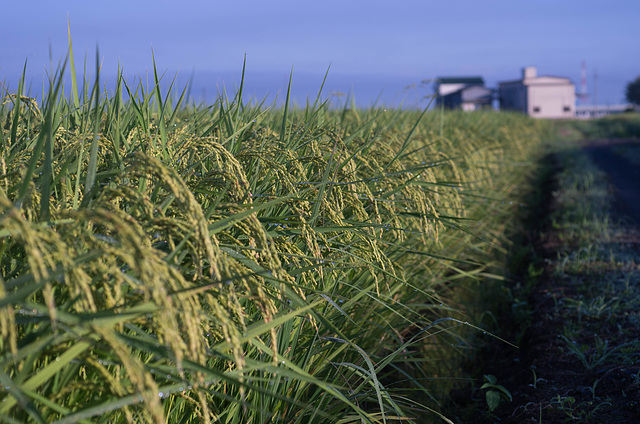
pixel 633 92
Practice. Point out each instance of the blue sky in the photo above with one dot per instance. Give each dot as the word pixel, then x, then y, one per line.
pixel 371 47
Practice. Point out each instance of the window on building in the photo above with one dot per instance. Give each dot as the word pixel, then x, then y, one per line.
pixel 536 109
pixel 566 109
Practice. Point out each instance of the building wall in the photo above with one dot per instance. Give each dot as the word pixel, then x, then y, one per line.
pixel 468 106
pixel 529 72
pixel 451 101
pixel 513 96
pixel 476 97
pixel 551 101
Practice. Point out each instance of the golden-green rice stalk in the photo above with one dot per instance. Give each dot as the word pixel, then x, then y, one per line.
pixel 165 262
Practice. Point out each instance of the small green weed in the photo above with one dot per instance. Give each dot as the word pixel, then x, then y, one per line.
pixel 536 379
pixel 495 393
pixel 598 307
pixel 582 411
pixel 602 352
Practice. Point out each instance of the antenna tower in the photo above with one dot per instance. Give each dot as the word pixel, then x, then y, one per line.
pixel 583 82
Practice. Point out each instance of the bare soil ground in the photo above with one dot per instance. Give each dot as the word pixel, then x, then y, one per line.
pixel 579 359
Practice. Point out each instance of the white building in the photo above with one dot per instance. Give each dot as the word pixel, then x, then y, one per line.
pixel 539 96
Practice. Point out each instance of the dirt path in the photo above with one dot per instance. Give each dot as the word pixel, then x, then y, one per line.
pixel 579 360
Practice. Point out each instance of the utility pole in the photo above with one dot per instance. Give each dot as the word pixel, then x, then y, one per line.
pixel 595 92
pixel 583 83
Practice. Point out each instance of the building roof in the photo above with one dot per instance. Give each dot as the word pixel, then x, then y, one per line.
pixel 476 93
pixel 538 81
pixel 460 80
pixel 539 78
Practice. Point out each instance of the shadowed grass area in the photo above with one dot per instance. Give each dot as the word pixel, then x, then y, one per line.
pixel 626 125
pixel 163 261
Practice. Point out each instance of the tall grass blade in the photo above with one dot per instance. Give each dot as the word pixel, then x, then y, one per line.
pixel 16 107
pixel 97 112
pixel 74 79
pixel 160 105
pixel 283 129
pixel 43 140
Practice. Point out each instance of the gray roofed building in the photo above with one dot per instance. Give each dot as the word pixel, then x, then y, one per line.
pixel 466 93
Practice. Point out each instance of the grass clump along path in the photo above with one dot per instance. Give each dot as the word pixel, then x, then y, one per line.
pixel 169 262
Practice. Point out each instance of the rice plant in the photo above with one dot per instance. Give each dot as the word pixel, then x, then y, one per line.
pixel 171 262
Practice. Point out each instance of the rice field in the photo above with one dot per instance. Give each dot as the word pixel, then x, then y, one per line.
pixel 164 261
